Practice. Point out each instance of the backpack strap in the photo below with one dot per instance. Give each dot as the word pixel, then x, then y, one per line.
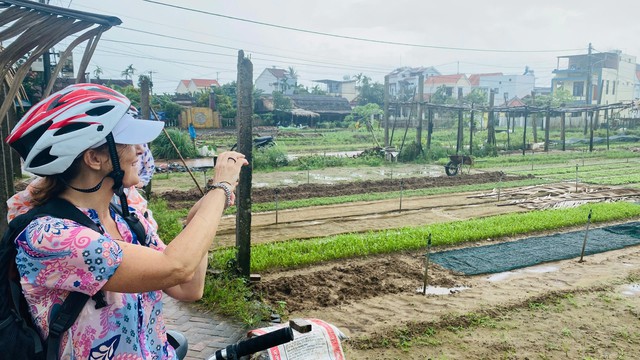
pixel 15 296
pixel 134 223
pixel 69 311
pixel 75 301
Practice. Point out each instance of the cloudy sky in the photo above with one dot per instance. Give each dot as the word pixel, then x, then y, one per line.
pixel 331 39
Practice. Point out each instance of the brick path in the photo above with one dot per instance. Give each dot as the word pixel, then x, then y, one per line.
pixel 206 332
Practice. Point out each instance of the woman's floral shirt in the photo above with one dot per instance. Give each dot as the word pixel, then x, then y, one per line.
pixel 56 256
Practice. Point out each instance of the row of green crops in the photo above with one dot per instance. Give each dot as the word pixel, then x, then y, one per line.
pixel 306 252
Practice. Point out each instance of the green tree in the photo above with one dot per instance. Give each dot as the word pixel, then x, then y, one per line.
pixel 281 102
pixel 316 90
pixel 97 72
pixel 128 72
pixel 441 96
pixel 145 77
pixel 225 103
pixel 477 97
pixel 369 92
pixel 558 98
pixel 293 75
pixel 202 99
pixel 301 90
pixel 131 92
pixel 164 103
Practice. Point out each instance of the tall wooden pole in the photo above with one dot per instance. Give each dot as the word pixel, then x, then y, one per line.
pixel 491 129
pixel 508 130
pixel 429 126
pixel 589 88
pixel 386 111
pixel 534 118
pixel 420 112
pixel 546 130
pixel 145 103
pixel 244 117
pixel 460 141
pixel 563 124
pixel 471 130
pixel 590 131
pixel 524 134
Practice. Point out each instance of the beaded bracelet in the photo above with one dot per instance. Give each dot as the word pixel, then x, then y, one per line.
pixel 227 192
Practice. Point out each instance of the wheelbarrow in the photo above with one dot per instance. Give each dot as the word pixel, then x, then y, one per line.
pixel 457 163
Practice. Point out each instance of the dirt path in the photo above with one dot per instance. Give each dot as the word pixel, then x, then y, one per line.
pixel 362 216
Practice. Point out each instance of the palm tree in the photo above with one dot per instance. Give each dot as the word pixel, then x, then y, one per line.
pixel 128 72
pixel 293 74
pixel 97 72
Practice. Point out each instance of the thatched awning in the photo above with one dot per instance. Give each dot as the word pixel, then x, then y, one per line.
pixel 303 113
pixel 31 29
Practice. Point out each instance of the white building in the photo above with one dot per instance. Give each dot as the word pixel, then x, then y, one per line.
pixel 274 79
pixel 403 82
pixel 613 77
pixel 509 86
pixel 344 88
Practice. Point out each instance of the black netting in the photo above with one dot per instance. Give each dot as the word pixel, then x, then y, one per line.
pixel 535 250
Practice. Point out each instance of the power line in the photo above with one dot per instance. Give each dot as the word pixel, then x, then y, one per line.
pixel 378 69
pixel 352 37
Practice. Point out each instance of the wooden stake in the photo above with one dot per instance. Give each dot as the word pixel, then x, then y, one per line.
pixel 586 233
pixel 426 266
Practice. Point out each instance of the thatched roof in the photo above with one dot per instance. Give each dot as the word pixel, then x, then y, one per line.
pixel 31 29
pixel 304 113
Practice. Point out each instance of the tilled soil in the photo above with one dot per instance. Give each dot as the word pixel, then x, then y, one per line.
pixel 182 199
pixel 345 282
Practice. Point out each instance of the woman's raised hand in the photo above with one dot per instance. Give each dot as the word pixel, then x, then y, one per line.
pixel 228 167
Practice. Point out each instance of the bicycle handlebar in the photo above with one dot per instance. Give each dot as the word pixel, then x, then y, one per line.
pixel 254 345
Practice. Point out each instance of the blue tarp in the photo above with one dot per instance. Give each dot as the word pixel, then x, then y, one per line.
pixel 535 250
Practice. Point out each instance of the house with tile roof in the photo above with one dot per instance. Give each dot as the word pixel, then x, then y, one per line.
pixel 194 86
pixel 455 85
pixel 183 87
pixel 275 79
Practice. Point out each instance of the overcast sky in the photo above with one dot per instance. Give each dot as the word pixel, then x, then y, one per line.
pixel 506 35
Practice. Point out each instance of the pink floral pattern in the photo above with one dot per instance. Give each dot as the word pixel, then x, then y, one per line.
pixel 56 256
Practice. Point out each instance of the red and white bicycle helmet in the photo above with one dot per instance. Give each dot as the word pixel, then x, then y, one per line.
pixel 54 132
pixel 133 111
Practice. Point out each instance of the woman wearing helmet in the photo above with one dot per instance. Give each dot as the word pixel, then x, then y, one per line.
pixel 85 146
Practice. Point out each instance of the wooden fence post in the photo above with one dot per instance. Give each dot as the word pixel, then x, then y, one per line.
pixel 245 146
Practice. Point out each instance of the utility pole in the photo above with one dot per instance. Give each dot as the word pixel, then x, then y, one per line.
pixel 471 130
pixel 534 118
pixel 420 111
pixel 386 111
pixel 460 141
pixel 491 131
pixel 524 134
pixel 589 90
pixel 546 128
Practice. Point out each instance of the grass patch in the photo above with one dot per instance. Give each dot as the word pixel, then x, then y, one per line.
pixel 298 253
pixel 231 296
pixel 169 221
